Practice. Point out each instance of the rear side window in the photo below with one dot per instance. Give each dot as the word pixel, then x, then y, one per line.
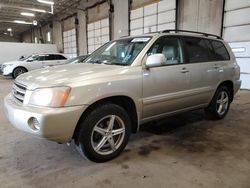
pixel 220 51
pixel 197 49
pixel 48 57
pixel 59 57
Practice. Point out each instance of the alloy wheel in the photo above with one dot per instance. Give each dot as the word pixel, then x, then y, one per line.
pixel 108 134
pixel 222 103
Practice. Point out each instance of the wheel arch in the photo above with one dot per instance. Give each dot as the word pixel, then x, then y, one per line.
pixel 229 84
pixel 19 67
pixel 124 101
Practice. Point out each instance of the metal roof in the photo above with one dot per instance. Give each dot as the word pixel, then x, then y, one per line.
pixel 10 10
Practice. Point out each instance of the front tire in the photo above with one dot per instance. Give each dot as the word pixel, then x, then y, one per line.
pixel 18 71
pixel 104 133
pixel 220 104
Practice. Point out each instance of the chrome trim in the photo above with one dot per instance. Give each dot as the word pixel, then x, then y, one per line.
pixel 172 96
pixel 18 91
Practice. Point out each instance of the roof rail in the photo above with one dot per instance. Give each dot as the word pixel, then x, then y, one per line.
pixel 195 32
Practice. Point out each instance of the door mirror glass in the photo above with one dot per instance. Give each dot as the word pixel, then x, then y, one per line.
pixel 155 60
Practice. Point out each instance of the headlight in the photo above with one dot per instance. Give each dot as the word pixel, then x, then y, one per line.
pixel 50 97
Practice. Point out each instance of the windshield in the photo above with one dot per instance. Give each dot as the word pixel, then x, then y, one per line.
pixel 119 52
pixel 31 57
pixel 24 58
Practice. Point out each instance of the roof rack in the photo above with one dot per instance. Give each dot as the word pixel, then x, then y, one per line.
pixel 195 32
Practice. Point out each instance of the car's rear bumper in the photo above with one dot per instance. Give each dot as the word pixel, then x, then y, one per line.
pixel 237 85
pixel 56 124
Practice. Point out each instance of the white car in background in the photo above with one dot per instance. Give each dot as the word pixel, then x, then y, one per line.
pixel 37 61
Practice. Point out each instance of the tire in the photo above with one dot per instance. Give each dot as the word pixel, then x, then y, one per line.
pixel 18 71
pixel 220 104
pixel 95 137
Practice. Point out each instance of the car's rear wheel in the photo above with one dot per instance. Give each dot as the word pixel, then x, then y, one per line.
pixel 104 133
pixel 219 106
pixel 18 71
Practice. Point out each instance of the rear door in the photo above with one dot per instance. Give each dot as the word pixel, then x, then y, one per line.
pixel 54 59
pixel 165 87
pixel 60 59
pixel 49 60
pixel 203 67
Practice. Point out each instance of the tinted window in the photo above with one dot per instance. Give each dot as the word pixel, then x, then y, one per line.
pixel 220 51
pixel 197 49
pixel 59 57
pixel 170 47
pixel 48 57
pixel 38 58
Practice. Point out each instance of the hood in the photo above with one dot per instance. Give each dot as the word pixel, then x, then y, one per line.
pixel 11 62
pixel 65 75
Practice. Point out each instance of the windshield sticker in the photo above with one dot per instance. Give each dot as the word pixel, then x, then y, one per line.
pixel 140 40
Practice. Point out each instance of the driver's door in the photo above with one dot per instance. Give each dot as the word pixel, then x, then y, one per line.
pixel 165 87
pixel 35 63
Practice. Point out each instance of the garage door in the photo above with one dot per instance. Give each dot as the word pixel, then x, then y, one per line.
pixel 236 32
pixel 242 53
pixel 69 43
pixel 154 17
pixel 98 34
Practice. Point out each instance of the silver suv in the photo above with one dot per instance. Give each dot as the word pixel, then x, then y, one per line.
pixel 122 85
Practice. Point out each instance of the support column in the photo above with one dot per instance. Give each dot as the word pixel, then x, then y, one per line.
pixel 201 15
pixel 121 18
pixel 57 35
pixel 82 33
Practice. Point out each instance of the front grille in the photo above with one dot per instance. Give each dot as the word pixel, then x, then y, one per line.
pixel 18 92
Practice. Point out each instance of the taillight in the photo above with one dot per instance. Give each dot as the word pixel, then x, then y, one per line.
pixel 237 70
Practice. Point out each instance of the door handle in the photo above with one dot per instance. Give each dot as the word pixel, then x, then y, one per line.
pixel 216 66
pixel 184 70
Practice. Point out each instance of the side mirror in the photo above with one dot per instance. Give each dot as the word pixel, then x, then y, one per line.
pixel 22 57
pixel 30 60
pixel 155 60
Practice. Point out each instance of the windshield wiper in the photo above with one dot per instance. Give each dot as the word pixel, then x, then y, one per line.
pixel 95 62
pixel 108 63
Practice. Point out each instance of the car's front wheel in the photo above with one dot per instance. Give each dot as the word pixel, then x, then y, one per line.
pixel 104 133
pixel 18 71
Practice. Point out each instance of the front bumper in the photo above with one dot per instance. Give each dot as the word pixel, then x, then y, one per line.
pixel 6 71
pixel 1 69
pixel 55 124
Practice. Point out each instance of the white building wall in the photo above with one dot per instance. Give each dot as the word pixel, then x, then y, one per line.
pixel 236 30
pixel 154 17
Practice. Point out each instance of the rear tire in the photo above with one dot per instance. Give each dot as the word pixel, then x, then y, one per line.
pixel 18 71
pixel 220 104
pixel 104 133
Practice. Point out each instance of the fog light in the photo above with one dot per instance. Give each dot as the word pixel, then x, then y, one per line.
pixel 34 124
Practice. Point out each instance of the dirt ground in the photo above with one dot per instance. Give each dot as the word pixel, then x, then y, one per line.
pixel 182 151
